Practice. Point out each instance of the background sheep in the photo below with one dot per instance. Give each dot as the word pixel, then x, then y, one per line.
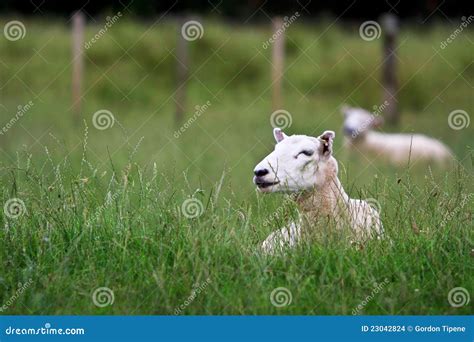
pixel 398 149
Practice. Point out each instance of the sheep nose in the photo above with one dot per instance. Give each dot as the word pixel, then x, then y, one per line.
pixel 261 172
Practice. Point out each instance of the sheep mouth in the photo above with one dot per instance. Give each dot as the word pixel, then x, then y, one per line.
pixel 262 184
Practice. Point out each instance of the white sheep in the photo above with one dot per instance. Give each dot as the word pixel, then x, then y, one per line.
pixel 397 149
pixel 305 165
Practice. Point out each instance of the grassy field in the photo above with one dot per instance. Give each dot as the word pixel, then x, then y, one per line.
pixel 113 208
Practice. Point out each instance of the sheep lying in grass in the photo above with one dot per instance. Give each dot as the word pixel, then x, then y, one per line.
pixel 398 149
pixel 305 165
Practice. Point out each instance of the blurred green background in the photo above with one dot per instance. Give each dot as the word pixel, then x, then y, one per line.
pixel 131 71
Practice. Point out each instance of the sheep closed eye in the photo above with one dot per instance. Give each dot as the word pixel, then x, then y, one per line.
pixel 307 153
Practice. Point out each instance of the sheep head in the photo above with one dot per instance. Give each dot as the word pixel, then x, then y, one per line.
pixel 358 121
pixel 298 162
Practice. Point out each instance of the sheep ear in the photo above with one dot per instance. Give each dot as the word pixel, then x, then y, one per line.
pixel 327 139
pixel 279 135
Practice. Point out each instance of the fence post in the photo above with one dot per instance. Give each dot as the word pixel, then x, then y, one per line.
pixel 78 24
pixel 278 54
pixel 389 70
pixel 182 73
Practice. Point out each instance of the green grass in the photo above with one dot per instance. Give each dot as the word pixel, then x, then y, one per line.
pixel 103 207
